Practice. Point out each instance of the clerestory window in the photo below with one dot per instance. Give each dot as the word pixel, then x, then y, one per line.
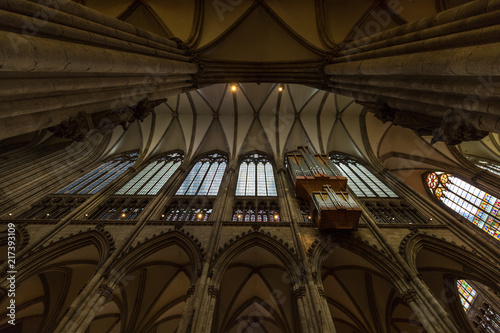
pixel 153 177
pixel 205 177
pixel 101 176
pixel 256 177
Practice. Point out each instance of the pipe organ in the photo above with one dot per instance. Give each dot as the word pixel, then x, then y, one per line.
pixel 318 181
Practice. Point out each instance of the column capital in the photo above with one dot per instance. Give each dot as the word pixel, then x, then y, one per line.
pixel 213 292
pixel 409 296
pixel 322 292
pixel 190 291
pixel 299 292
pixel 105 290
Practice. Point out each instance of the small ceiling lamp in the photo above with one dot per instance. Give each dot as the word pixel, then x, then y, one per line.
pixel 233 88
pixel 281 88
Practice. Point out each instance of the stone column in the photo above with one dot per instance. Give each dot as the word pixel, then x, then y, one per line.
pixel 299 293
pixel 101 64
pixel 444 66
pixel 319 318
pixel 213 297
pixel 29 179
pixel 83 308
pixel 432 311
pixel 200 312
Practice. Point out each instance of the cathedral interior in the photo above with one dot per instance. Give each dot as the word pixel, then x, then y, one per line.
pixel 244 166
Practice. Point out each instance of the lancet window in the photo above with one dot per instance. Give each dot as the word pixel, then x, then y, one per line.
pixel 477 206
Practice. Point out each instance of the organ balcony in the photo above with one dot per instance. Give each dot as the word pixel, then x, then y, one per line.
pixel 334 210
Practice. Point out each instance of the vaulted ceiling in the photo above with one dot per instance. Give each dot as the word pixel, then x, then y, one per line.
pixel 260 117
pixel 267 30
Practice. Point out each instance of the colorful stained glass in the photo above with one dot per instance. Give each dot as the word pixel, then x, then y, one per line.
pixel 477 206
pixel 256 177
pixel 466 292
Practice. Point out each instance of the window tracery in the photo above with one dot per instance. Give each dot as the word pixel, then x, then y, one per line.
pixel 252 211
pixel 205 177
pixel 490 166
pixel 198 210
pixel 482 314
pixel 153 177
pixel 101 176
pixel 256 177
pixel 383 203
pixel 120 208
pixel 362 182
pixel 475 205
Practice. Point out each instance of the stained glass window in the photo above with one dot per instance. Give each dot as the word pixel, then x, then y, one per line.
pixel 484 317
pixel 477 206
pixel 151 179
pixel 466 292
pixel 256 177
pixel 101 176
pixel 362 182
pixel 205 177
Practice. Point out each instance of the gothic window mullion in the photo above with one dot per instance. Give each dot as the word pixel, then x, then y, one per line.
pixel 209 179
pixel 142 181
pixel 363 179
pixel 108 178
pixel 155 179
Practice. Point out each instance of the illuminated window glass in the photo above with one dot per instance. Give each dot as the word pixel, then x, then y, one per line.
pixel 484 317
pixel 151 179
pixel 477 206
pixel 205 177
pixel 493 168
pixel 466 292
pixel 101 176
pixel 362 182
pixel 256 177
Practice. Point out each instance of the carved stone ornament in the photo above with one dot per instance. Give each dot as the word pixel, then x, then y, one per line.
pixel 451 128
pixel 76 128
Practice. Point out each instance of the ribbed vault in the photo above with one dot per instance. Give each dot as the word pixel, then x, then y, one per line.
pixel 361 298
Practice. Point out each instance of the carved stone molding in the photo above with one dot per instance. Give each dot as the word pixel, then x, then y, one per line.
pixel 213 292
pixel 105 291
pixel 299 292
pixel 190 291
pixel 409 296
pixel 322 293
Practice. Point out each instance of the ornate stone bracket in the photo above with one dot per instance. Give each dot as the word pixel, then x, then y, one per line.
pixel 452 128
pixel 76 128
